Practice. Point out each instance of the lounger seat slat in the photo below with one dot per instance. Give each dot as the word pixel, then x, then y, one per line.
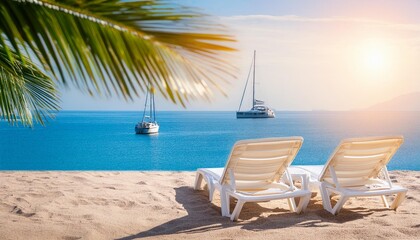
pixel 266 146
pixel 357 161
pixel 249 176
pixel 371 158
pixel 354 167
pixel 352 174
pixel 260 160
pixel 263 154
pixel 261 163
pixel 256 169
pixel 368 145
pixel 365 152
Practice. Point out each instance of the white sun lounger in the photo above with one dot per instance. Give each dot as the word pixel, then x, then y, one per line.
pixel 357 168
pixel 256 171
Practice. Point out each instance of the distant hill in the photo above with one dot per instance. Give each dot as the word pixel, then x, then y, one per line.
pixel 406 102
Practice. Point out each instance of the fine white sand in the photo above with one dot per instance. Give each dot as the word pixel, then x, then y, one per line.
pixel 163 205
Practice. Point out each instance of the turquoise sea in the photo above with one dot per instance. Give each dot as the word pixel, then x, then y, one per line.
pixel 189 140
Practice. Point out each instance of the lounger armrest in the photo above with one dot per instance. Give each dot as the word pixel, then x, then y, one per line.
pixel 303 178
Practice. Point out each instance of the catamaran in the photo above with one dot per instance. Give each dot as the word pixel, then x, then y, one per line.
pixel 258 110
pixel 148 124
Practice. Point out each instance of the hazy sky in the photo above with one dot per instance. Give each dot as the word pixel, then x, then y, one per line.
pixel 311 55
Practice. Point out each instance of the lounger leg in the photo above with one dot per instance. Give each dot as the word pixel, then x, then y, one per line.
pixel 303 203
pixel 197 185
pixel 326 201
pixel 211 188
pixel 198 180
pixel 398 200
pixel 292 204
pixel 237 210
pixel 384 201
pixel 225 202
pixel 339 204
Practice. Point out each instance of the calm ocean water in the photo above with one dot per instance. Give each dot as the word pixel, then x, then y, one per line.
pixel 189 140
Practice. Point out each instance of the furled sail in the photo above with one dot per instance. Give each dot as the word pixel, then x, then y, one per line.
pixel 258 102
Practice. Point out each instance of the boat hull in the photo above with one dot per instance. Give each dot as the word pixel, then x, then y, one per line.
pixel 147 129
pixel 255 114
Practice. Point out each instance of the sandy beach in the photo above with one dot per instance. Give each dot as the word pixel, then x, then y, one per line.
pixel 163 205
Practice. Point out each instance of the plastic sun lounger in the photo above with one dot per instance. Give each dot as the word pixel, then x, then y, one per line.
pixel 357 168
pixel 256 171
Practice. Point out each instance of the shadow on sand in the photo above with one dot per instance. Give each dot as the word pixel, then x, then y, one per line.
pixel 203 216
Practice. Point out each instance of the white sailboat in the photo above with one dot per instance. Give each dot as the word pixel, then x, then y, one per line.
pixel 148 124
pixel 258 110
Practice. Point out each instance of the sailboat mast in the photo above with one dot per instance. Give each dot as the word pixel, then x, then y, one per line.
pixel 151 97
pixel 253 84
pixel 246 85
pixel 145 105
pixel 154 109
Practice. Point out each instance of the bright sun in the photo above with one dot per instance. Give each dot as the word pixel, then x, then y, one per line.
pixel 375 57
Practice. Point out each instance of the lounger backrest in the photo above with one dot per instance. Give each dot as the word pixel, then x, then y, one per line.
pixel 357 160
pixel 255 163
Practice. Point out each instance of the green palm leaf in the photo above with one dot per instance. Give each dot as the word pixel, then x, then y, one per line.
pixel 24 87
pixel 115 47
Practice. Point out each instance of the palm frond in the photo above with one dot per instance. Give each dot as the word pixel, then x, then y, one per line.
pixel 27 95
pixel 116 47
